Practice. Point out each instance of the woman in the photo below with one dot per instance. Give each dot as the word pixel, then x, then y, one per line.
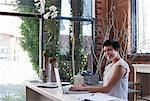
pixel 115 74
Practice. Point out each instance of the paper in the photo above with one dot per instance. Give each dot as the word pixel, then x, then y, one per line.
pixel 94 97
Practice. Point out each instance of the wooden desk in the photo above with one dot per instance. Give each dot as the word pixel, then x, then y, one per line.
pixel 34 93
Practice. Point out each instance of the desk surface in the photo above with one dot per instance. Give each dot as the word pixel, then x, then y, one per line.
pixel 56 95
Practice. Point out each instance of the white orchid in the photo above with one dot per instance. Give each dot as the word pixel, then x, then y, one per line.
pixel 46 16
pixel 37 5
pixel 39 10
pixel 54 14
pixel 71 35
pixel 52 8
pixel 36 0
pixel 43 1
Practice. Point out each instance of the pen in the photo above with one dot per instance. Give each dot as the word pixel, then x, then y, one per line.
pixel 87 100
pixel 92 94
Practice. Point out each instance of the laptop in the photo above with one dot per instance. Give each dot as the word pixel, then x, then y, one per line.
pixel 65 89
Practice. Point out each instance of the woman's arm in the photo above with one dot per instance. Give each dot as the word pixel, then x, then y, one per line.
pixel 117 73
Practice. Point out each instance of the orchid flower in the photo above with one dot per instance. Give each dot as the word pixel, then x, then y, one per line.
pixel 36 0
pixel 46 16
pixel 37 5
pixel 54 14
pixel 52 8
pixel 39 10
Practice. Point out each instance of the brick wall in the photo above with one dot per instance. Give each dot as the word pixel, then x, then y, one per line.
pixel 102 8
pixel 100 12
pixel 103 14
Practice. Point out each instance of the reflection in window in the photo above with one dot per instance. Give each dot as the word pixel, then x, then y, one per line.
pixel 143 21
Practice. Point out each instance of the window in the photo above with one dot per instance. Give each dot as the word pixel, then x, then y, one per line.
pixel 142 24
pixel 14 61
pixel 76 22
pixel 65 25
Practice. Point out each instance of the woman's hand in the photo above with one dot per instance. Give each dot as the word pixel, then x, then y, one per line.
pixel 78 88
pixel 91 89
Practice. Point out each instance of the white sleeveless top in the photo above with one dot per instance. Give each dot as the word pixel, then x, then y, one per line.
pixel 120 90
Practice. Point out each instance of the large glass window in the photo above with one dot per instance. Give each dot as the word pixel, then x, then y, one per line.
pixel 15 64
pixel 143 26
pixel 76 36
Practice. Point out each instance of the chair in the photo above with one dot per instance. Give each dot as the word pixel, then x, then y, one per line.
pixel 136 89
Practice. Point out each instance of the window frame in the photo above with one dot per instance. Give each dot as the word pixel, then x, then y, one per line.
pixel 133 27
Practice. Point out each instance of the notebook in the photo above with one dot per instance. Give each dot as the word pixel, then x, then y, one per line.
pixel 65 89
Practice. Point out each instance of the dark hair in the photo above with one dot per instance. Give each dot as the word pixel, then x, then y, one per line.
pixel 113 43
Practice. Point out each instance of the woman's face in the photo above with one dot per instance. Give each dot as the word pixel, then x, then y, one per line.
pixel 110 53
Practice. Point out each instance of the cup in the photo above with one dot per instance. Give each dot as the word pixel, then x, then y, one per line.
pixel 78 80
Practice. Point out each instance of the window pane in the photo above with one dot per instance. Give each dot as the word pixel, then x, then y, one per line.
pixel 64 36
pixel 87 9
pixel 143 15
pixel 66 4
pixel 15 65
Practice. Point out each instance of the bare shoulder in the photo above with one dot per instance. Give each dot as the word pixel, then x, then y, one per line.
pixel 119 69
